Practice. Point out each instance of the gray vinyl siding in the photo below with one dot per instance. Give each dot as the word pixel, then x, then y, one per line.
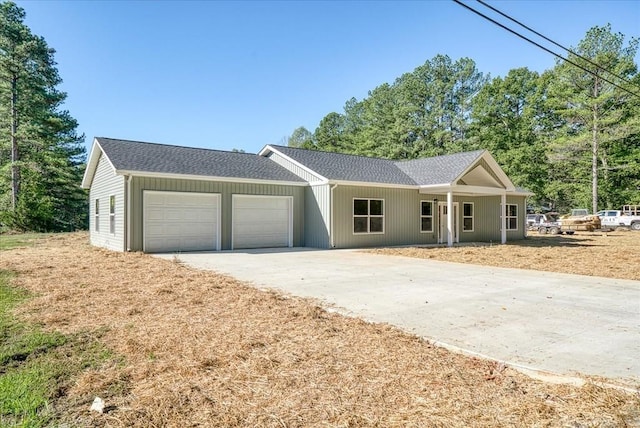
pixel 317 224
pixel 402 218
pixel 486 219
pixel 296 169
pixel 226 190
pixel 105 184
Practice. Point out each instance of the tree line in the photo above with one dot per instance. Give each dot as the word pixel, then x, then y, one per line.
pixel 571 134
pixel 42 157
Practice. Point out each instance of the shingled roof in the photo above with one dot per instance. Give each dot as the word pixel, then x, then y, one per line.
pixel 338 166
pixel 134 156
pixel 419 172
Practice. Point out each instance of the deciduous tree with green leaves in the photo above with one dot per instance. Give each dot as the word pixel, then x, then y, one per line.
pixel 509 118
pixel 423 113
pixel 301 137
pixel 41 154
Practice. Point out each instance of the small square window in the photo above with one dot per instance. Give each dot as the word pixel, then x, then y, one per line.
pixel 361 207
pixel 376 225
pixel 375 207
pixel 360 225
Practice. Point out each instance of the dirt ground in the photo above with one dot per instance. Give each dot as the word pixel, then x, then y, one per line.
pixel 201 349
pixel 611 255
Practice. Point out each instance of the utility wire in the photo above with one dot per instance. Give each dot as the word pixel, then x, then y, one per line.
pixel 555 43
pixel 543 47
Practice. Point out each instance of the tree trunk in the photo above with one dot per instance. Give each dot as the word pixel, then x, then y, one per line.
pixel 15 157
pixel 594 149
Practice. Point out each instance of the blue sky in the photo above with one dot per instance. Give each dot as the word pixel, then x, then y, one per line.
pixel 227 75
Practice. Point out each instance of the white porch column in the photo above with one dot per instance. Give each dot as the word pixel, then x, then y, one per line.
pixel 503 229
pixel 449 218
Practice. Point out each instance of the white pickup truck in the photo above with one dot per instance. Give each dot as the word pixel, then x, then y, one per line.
pixel 611 219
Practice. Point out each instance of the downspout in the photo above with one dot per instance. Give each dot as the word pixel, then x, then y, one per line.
pixel 333 243
pixel 450 218
pixel 127 229
pixel 503 228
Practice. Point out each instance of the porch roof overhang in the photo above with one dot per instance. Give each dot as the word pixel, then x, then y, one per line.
pixel 470 190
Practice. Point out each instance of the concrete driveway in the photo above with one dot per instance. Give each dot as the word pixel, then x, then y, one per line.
pixel 559 323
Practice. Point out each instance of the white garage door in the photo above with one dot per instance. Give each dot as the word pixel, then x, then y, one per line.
pixel 262 221
pixel 175 221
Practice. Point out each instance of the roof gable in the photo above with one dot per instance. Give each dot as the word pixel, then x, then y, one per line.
pixel 444 169
pixel 479 176
pixel 134 157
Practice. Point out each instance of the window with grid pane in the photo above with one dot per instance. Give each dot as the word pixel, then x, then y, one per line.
pixel 511 212
pixel 368 216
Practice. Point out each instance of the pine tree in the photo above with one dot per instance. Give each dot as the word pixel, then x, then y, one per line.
pixel 41 155
pixel 599 116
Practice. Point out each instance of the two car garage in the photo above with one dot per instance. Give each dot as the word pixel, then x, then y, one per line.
pixel 189 221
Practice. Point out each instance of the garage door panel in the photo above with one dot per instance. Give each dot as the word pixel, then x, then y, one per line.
pixel 264 229
pixel 175 221
pixel 262 221
pixel 258 240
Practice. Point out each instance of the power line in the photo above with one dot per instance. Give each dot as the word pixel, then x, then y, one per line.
pixel 542 47
pixel 555 43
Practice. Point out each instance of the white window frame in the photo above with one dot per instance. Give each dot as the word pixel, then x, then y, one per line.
pixel 112 214
pixel 426 216
pixel 508 217
pixel 472 217
pixel 368 216
pixel 96 215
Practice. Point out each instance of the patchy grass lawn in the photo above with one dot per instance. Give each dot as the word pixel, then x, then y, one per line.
pixel 35 365
pixel 201 349
pixel 12 240
pixel 612 254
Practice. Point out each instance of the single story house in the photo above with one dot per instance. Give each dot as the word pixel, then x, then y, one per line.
pixel 163 198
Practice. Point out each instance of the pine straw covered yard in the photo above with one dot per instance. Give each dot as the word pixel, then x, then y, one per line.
pixel 200 349
pixel 611 255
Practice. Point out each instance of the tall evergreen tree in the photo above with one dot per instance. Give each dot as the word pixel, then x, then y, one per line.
pixel 329 135
pixel 41 155
pixel 598 115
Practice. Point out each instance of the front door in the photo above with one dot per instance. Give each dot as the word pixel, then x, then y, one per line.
pixel 443 234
